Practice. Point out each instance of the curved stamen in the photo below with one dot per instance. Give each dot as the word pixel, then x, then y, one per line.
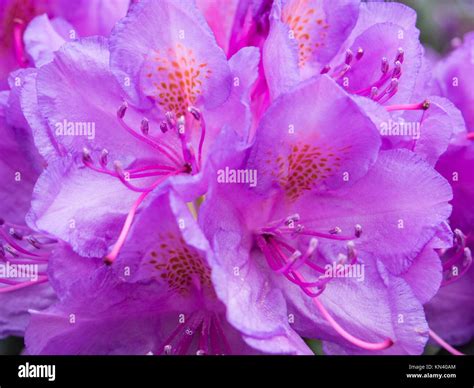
pixel 110 258
pixel 385 344
pixel 424 105
pixel 444 344
pixel 198 116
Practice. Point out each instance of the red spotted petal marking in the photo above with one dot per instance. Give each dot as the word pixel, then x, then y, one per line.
pixel 179 264
pixel 305 167
pixel 177 78
pixel 308 27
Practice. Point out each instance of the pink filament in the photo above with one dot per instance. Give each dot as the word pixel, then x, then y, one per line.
pixel 417 106
pixel 298 279
pixel 41 279
pixel 110 258
pixel 162 147
pixel 444 344
pixel 349 337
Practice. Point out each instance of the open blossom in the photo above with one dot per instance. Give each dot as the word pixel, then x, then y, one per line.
pixel 183 96
pixel 157 298
pixel 188 178
pixel 327 195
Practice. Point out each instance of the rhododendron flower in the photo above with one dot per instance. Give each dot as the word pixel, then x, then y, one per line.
pixel 186 93
pixel 327 195
pixel 203 177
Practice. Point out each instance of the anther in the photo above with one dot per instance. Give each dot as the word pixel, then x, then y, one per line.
pixel 164 127
pixel 360 53
pixel 400 55
pixel 16 235
pixel 384 66
pixel 121 111
pixel 336 230
pixel 170 119
pixel 291 219
pixel 195 112
pixel 426 105
pixel 104 156
pixel 145 126
pixel 325 69
pixel 374 91
pixel 358 230
pixel 86 155
pixel 349 56
pixel 397 70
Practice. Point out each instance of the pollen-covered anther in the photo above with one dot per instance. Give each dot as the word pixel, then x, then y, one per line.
pixel 360 53
pixel 426 105
pixel 335 230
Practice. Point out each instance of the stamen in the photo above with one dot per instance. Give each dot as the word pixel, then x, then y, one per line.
pixel 110 258
pixel 444 344
pixel 424 105
pixel 164 148
pixel 198 116
pixel 385 344
pixel 360 53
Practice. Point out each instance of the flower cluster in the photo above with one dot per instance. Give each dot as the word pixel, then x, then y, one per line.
pixel 233 177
